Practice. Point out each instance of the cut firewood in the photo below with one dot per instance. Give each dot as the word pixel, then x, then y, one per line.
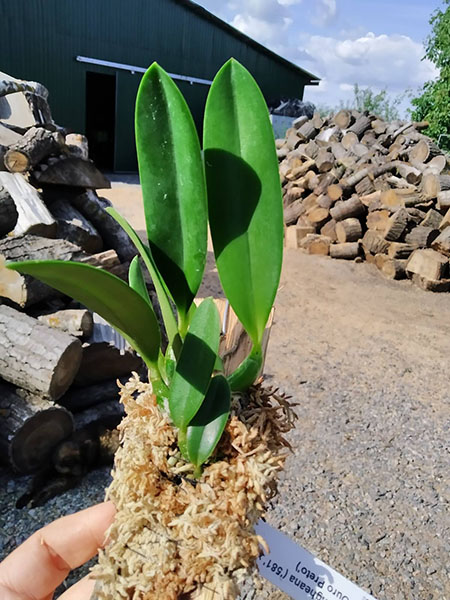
pixel 101 361
pixel 93 208
pixel 35 145
pixel 364 187
pixel 77 145
pixel 445 221
pixel 324 201
pixel 369 198
pixel 329 230
pixel 433 184
pixel 343 119
pixel 72 171
pixel 316 244
pixel 348 230
pixel 36 357
pixel 106 260
pixel 76 321
pixel 421 237
pixel 432 219
pixel 31 429
pixel 348 251
pixel 409 173
pixel 424 150
pixel 394 269
pixel 428 264
pixel 295 233
pixel 294 211
pixel 324 161
pixel 347 208
pixel 349 140
pixel 33 247
pixel 361 125
pixel 317 215
pixel 307 131
pixel 78 399
pixel 400 250
pixel 431 285
pixel 352 180
pixel 75 228
pixel 33 216
pixel 334 191
pixel 8 212
pixel 379 260
pixel 374 243
pixel 436 165
pixel 396 225
pixel 443 201
pixel 379 126
pixel 377 220
pixel 299 121
pixel 442 242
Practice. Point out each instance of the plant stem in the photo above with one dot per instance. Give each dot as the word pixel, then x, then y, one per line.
pixel 247 372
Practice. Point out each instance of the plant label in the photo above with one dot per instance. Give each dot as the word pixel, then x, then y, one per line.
pixel 300 574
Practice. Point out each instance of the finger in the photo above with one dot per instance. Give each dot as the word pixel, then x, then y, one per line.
pixel 43 561
pixel 82 590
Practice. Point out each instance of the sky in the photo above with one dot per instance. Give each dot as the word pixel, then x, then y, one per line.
pixel 374 43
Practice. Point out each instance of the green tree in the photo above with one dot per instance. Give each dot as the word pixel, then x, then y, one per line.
pixel 380 104
pixel 433 105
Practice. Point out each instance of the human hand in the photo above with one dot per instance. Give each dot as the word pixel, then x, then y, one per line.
pixel 35 569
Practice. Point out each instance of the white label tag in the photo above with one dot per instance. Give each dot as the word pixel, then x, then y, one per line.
pixel 300 574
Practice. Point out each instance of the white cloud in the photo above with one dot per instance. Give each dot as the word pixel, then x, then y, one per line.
pixel 324 13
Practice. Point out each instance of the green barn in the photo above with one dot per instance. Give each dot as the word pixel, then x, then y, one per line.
pixel 91 54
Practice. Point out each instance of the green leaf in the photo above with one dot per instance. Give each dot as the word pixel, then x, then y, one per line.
pixel 195 365
pixel 136 279
pixel 105 294
pixel 244 195
pixel 247 372
pixel 161 290
pixel 173 185
pixel 206 428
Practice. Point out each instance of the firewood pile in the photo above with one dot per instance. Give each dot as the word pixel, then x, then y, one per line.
pixel 56 358
pixel 359 188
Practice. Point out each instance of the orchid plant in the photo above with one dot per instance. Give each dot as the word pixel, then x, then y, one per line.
pixel 234 186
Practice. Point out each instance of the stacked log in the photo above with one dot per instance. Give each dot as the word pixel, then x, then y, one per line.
pixel 357 187
pixel 51 350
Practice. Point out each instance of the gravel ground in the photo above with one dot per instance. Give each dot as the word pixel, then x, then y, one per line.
pixel 365 489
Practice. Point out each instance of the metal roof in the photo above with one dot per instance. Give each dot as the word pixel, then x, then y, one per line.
pixel 205 14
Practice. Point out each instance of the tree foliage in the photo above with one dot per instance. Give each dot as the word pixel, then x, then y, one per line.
pixel 380 103
pixel 433 105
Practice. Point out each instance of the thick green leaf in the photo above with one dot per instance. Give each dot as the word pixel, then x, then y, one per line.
pixel 105 294
pixel 161 291
pixel 173 185
pixel 244 195
pixel 136 279
pixel 206 428
pixel 195 365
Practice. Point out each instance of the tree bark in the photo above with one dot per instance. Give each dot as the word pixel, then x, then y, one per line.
pixel 400 250
pixel 421 237
pixel 432 185
pixel 102 361
pixel 443 200
pixel 75 228
pixel 316 244
pixel 432 219
pixel 329 230
pixel 36 357
pixel 8 212
pixel 361 125
pixel 35 145
pixel 77 322
pixel 374 243
pixel 442 242
pixel 365 187
pixel 347 208
pixel 324 161
pixel 394 269
pixel 348 230
pixel 78 145
pixel 31 429
pixel 77 399
pixel 307 131
pixel 396 225
pixel 348 251
pixel 294 211
pixel 74 172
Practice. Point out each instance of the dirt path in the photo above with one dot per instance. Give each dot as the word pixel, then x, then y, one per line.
pixel 367 361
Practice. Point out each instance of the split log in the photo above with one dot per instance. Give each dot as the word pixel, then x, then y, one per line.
pixel 338 150
pixel 369 198
pixel 310 201
pixel 76 322
pixel 292 139
pixel 432 219
pixel 36 357
pixel 421 237
pixel 326 180
pixel 424 150
pixel 35 145
pixel 343 119
pixel 77 145
pixel 292 194
pixel 317 120
pixel 442 242
pixel 390 198
pixel 316 244
pixel 31 429
pixel 374 243
pixel 361 125
pixel 75 228
pixel 445 221
pixel 307 131
pixel 78 399
pixel 394 269
pixel 428 264
pixel 33 215
pixel 347 208
pixel 101 361
pixel 377 220
pixel 8 212
pixel 72 171
pixel 295 233
pixel 396 225
pixel 329 230
pixel 33 247
pixel 364 187
pixel 93 208
pixel 311 149
pixel 324 161
pixel 443 200
pixel 431 285
pixel 433 184
pixel 348 230
pixel 400 250
pixel 348 251
pixel 329 134
pixel 294 211
pixel 317 215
